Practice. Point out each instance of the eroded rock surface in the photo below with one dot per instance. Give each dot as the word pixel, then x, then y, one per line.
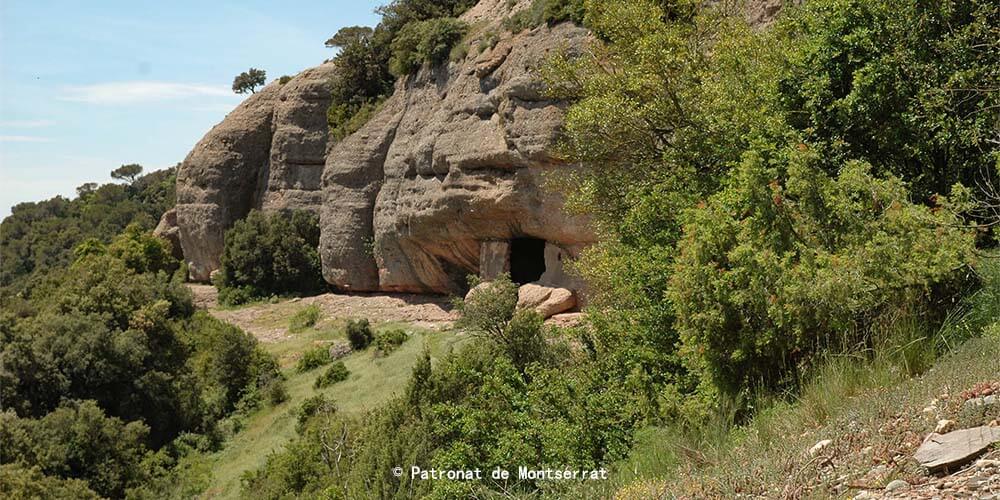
pixel 423 195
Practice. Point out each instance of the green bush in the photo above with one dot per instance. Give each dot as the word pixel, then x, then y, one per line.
pixel 78 441
pixel 490 311
pixel 275 391
pixel 284 79
pixel 346 119
pixel 359 334
pixel 337 372
pixel 387 341
pixel 313 358
pixel 271 254
pixel 422 42
pixel 142 252
pixel 19 482
pixel 787 261
pixel 311 407
pixel 545 12
pixel 304 318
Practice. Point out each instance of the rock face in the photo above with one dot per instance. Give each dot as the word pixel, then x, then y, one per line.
pixel 267 153
pixel 444 181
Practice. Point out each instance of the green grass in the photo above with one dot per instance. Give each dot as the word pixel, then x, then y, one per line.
pixel 372 382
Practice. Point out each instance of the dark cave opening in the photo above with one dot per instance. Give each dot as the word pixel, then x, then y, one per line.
pixel 527 260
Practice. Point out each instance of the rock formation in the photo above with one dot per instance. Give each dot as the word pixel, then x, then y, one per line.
pixel 445 180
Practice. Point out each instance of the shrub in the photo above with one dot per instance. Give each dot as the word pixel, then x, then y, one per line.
pixel 284 79
pixel 387 341
pixel 788 261
pixel 78 440
pixel 490 311
pixel 424 42
pixel 313 358
pixel 271 254
pixel 142 252
pixel 346 119
pixel 337 372
pixel 275 392
pixel 545 12
pixel 304 318
pixel 19 482
pixel 359 334
pixel 312 406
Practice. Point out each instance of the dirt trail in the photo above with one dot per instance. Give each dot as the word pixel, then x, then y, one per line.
pixel 428 311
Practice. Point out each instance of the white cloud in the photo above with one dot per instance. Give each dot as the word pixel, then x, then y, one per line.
pixel 23 138
pixel 26 123
pixel 141 91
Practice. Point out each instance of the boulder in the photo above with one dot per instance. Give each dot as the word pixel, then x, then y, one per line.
pixel 955 448
pixel 168 230
pixel 547 301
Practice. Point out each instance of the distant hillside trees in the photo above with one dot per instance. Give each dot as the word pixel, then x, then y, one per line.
pixel 40 236
pixel 249 80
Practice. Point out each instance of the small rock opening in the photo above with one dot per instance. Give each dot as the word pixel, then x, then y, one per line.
pixel 527 260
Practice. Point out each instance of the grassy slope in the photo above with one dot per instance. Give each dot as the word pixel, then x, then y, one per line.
pixel 372 382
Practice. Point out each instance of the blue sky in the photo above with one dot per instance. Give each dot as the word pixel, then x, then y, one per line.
pixel 86 86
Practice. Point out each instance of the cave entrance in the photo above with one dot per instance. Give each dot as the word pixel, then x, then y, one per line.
pixel 527 260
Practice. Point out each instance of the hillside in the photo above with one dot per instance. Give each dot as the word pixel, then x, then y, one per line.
pixel 539 249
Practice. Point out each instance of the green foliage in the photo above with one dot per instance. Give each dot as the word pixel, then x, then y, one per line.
pixel 19 482
pixel 350 35
pixel 363 80
pixel 126 173
pixel 312 359
pixel 275 391
pixel 421 42
pixel 490 312
pixel 249 80
pixel 228 363
pixel 359 334
pixel 139 250
pixel 337 372
pixel 387 341
pixel 270 254
pixel 78 441
pixel 40 237
pixel 284 79
pixel 546 12
pixel 346 119
pixel 787 261
pixel 304 318
pixel 694 130
pixel 862 84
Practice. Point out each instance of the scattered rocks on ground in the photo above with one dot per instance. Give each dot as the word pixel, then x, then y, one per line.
pixel 340 349
pixel 820 446
pixel 955 448
pixel 944 426
pixel 897 484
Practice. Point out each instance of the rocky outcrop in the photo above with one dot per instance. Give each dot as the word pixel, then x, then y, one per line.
pixel 444 181
pixel 168 229
pixel 267 153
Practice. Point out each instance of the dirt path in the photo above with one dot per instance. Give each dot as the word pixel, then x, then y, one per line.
pixel 427 311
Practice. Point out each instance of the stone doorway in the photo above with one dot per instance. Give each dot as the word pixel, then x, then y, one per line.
pixel 527 260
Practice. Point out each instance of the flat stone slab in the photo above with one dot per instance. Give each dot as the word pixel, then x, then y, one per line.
pixel 955 448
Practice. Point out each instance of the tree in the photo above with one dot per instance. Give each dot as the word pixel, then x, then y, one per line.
pixel 127 172
pixel 348 35
pixel 249 81
pixel 86 188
